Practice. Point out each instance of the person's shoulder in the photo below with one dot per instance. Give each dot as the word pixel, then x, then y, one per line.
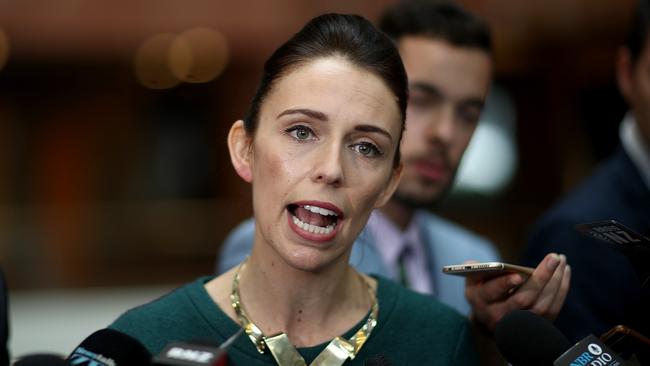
pixel 243 228
pixel 612 191
pixel 236 246
pixel 241 236
pixel 458 239
pixel 150 322
pixel 417 324
pixel 447 228
pixel 413 306
pixel 161 307
pixel 605 192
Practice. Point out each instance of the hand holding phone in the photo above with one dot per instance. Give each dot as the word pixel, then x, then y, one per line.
pixel 542 291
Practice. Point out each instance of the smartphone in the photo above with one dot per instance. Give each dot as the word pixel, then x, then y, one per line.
pixel 487 269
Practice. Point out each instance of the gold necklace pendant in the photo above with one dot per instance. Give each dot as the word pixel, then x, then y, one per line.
pixel 336 353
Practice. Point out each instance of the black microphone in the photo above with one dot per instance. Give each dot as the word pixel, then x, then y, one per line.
pixel 190 354
pixel 42 360
pixel 109 347
pixel 524 338
pixel 196 353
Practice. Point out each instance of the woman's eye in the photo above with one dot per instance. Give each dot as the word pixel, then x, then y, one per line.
pixel 301 133
pixel 367 149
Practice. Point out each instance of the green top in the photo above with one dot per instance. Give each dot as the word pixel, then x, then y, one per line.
pixel 412 329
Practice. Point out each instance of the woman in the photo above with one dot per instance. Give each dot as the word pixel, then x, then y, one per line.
pixel 320 146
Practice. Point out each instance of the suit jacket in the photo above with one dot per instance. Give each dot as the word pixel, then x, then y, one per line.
pixel 605 290
pixel 4 322
pixel 446 243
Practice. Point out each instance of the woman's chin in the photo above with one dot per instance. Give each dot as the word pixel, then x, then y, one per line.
pixel 313 261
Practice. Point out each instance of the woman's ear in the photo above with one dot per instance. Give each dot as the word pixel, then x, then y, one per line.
pixel 241 153
pixel 391 186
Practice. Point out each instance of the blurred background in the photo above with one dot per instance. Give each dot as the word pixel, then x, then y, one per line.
pixel 115 182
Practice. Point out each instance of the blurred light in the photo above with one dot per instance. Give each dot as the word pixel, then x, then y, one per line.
pixel 491 158
pixel 198 55
pixel 151 62
pixel 4 48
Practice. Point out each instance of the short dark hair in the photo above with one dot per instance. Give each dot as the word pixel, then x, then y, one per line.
pixel 638 33
pixel 350 36
pixel 437 19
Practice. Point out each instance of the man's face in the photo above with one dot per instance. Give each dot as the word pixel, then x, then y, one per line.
pixel 448 86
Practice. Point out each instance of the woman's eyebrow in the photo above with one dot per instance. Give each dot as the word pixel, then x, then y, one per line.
pixel 375 129
pixel 307 112
pixel 323 117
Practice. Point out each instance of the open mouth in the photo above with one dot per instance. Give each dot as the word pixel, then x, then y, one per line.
pixel 314 219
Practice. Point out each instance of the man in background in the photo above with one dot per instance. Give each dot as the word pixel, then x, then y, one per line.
pixel 447 54
pixel 606 291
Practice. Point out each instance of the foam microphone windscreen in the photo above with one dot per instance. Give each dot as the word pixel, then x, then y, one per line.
pixel 110 347
pixel 524 338
pixel 41 360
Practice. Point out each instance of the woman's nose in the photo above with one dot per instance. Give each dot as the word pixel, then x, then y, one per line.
pixel 328 166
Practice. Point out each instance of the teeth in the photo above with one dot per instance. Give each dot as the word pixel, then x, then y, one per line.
pixel 313 228
pixel 320 210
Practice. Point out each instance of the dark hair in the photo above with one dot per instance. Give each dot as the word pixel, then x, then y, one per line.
pixel 638 34
pixel 441 19
pixel 349 36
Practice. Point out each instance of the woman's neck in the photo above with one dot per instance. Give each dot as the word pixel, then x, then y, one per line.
pixel 311 308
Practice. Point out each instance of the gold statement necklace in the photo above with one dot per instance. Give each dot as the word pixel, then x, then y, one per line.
pixel 284 353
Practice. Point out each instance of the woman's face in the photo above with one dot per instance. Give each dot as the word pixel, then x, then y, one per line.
pixel 322 160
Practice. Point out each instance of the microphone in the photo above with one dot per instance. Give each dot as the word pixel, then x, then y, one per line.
pixel 525 338
pixel 190 354
pixel 195 353
pixel 41 360
pixel 589 351
pixel 109 347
